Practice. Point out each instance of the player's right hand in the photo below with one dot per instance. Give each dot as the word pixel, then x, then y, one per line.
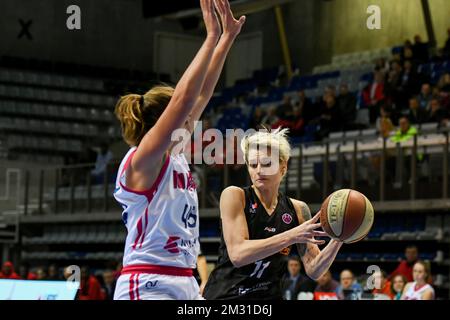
pixel 306 232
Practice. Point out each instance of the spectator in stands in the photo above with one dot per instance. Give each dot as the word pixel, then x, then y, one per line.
pixel 329 119
pixel 90 288
pixel 41 274
pixel 285 110
pixel 8 272
pixel 329 90
pixel 104 157
pixel 405 267
pixel 420 288
pixel 384 123
pixel 398 285
pixel 382 65
pixel 444 91
pixel 416 114
pixel 25 273
pixel 53 273
pixel 293 282
pixel 394 87
pixel 410 83
pixel 405 131
pixel 384 128
pixel 109 284
pixel 436 113
pixel 408 53
pixel 425 96
pixel 420 50
pixel 326 283
pixel 297 125
pixel 348 285
pixel 373 96
pixel 270 118
pixel 446 51
pixel 444 83
pixel 382 284
pixel 346 105
pixel 407 50
pixel 257 118
pixel 307 109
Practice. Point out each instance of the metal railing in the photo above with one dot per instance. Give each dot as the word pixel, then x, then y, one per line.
pixel 71 189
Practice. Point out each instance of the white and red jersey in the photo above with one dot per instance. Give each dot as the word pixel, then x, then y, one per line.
pixel 162 222
pixel 415 293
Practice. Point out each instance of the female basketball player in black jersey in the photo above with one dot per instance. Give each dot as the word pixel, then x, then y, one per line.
pixel 259 226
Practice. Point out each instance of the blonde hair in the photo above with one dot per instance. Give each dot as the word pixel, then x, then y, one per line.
pixel 137 114
pixel 269 139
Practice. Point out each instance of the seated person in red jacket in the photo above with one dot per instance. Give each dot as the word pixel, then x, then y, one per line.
pixel 90 288
pixel 8 272
pixel 373 95
pixel 405 268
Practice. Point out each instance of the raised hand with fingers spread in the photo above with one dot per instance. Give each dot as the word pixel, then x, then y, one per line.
pixel 231 26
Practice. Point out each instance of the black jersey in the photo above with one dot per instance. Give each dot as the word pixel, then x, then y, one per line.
pixel 260 280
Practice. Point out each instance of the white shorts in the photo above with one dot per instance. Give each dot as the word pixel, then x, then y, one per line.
pixel 144 286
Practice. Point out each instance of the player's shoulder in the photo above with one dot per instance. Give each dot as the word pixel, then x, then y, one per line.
pixel 301 209
pixel 233 194
pixel 298 203
pixel 233 190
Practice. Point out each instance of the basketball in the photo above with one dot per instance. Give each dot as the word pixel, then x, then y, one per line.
pixel 347 215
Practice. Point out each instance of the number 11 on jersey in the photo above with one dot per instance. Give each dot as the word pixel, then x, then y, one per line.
pixel 259 269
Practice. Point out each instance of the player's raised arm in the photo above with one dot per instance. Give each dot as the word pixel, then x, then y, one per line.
pixel 156 142
pixel 231 29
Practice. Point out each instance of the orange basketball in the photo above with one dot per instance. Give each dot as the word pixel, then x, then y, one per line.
pixel 347 215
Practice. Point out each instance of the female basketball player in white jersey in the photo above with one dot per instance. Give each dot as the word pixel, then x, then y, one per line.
pixel 260 224
pixel 419 289
pixel 154 186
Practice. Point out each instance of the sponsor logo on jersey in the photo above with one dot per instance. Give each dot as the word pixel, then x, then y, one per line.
pixel 253 208
pixel 183 181
pixel 263 286
pixel 172 245
pixel 270 229
pixel 151 284
pixel 177 245
pixel 287 218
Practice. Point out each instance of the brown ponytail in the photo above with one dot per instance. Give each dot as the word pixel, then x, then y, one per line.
pixel 138 114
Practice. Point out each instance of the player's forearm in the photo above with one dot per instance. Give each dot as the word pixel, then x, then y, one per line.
pixel 216 65
pixel 212 75
pixel 191 83
pixel 250 251
pixel 323 261
pixel 202 267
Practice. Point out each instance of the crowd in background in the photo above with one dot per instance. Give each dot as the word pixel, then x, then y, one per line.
pixel 100 285
pixel 93 286
pixel 396 89
pixel 375 285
